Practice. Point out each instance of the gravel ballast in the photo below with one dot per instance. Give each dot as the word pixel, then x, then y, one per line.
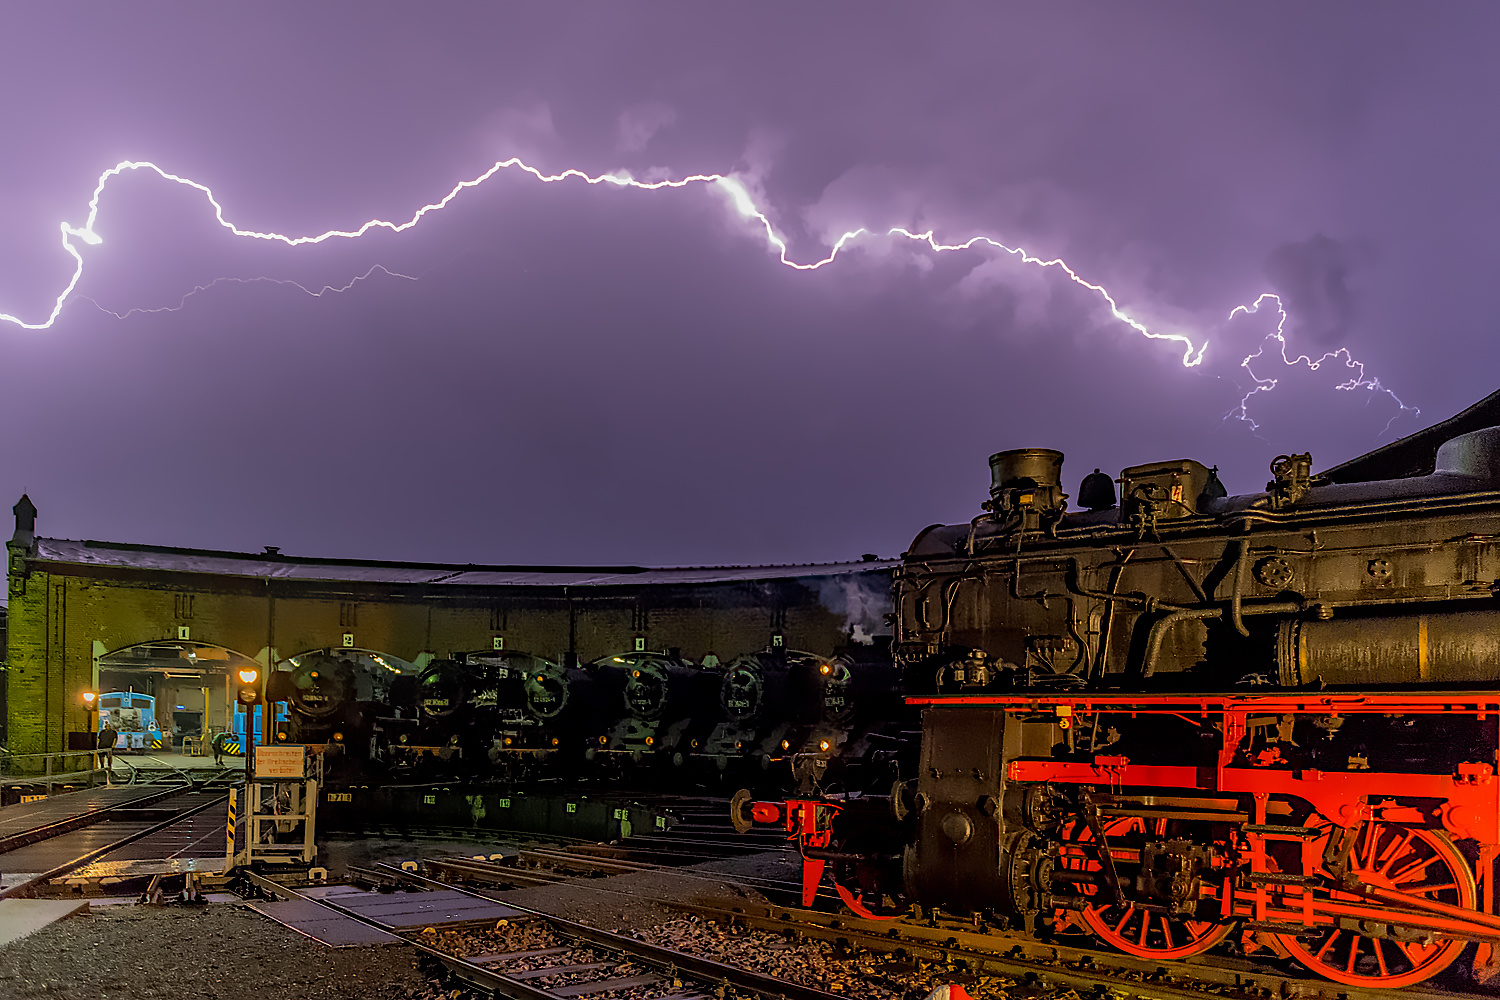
pixel 221 951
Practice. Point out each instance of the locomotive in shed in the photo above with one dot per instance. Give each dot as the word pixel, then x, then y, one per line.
pixel 812 721
pixel 779 719
pixel 1190 721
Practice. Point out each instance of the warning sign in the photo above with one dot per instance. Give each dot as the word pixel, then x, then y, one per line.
pixel 279 762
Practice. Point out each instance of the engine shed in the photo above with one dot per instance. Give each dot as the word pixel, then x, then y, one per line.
pixel 175 623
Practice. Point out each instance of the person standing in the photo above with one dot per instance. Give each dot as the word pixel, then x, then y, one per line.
pixel 106 744
pixel 220 739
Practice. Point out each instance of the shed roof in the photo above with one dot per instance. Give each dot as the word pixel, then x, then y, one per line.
pixel 276 566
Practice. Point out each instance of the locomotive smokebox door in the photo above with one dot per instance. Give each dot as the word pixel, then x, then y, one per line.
pixel 956 858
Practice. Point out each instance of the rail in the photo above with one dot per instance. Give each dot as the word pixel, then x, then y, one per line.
pixel 713 977
pixel 27 888
pixel 1047 965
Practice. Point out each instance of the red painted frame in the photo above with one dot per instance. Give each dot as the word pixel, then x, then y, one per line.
pixel 1466 804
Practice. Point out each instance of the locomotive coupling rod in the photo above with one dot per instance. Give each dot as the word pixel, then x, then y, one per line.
pixel 1390 897
pixel 1090 814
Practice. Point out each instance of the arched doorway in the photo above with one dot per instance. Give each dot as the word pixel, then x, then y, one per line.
pixel 181 685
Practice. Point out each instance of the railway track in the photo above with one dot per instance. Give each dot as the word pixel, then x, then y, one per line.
pixel 537 956
pixel 964 953
pixel 181 830
pixel 968 950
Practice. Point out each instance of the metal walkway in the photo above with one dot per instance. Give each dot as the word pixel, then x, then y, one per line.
pixel 30 822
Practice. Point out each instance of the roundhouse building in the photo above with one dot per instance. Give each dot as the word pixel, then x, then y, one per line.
pixel 178 623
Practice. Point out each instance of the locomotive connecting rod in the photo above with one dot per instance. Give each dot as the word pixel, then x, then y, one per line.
pixel 1489 922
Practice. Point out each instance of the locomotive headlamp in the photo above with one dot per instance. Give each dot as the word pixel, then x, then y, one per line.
pixel 651 741
pixel 739 744
pixel 823 745
pixel 508 741
pixel 825 669
pixel 635 673
pixel 554 741
pixel 89 698
pixel 786 744
pixel 539 678
pixel 338 737
pixel 603 740
pixel 314 675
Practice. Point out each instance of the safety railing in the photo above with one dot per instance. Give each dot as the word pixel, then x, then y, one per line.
pixel 64 767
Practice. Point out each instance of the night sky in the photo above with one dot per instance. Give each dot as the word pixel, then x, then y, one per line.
pixel 564 373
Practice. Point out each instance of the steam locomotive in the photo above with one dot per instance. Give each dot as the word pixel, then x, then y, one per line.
pixel 777 719
pixel 1186 720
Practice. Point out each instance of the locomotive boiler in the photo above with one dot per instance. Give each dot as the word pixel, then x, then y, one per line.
pixel 1185 720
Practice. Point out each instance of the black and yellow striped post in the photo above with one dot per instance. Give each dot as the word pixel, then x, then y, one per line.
pixel 229 828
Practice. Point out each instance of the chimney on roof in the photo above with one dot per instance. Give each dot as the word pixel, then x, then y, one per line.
pixel 25 512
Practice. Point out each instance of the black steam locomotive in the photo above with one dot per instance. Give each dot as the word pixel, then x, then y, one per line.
pixel 1188 720
pixel 775 719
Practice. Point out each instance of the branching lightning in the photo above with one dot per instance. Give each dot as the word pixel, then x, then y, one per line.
pixel 1357 380
pixel 739 197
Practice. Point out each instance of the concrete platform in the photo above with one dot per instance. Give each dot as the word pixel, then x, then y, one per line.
pixel 20 917
pixel 162 760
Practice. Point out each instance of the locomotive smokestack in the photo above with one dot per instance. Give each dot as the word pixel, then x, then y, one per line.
pixel 1026 483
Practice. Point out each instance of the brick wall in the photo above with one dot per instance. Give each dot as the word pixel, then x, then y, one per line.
pixel 62 615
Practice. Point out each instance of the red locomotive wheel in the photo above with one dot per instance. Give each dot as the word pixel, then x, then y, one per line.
pixel 1136 931
pixel 1419 862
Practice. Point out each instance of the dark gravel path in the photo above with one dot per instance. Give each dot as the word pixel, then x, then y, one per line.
pixel 217 952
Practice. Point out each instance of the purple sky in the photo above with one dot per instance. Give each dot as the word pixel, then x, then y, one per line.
pixel 586 374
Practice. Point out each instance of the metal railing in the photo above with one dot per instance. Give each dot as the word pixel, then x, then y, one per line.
pixel 64 767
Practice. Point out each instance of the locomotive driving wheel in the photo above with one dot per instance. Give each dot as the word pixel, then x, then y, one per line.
pixel 1418 862
pixel 1135 930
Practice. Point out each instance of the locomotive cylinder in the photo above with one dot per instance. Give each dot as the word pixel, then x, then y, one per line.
pixel 1459 647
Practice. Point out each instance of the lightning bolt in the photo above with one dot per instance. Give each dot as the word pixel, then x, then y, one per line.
pixel 318 294
pixel 739 197
pixel 1357 380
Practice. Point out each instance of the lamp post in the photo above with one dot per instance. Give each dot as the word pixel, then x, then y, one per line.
pixel 249 697
pixel 90 706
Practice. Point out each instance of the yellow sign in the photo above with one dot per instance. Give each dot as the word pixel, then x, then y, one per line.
pixel 280 762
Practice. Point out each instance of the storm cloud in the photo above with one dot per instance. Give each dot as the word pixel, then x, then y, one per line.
pixel 575 373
